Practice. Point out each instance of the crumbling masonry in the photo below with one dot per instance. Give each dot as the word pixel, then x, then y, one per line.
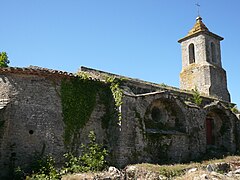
pixel 46 112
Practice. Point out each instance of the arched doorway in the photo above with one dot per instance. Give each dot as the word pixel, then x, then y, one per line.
pixel 218 130
pixel 209 131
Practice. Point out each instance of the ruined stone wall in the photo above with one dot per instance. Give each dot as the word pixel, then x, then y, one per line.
pixel 174 133
pixel 154 123
pixel 31 119
pixel 163 124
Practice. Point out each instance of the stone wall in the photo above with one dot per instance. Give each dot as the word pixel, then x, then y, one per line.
pixel 158 124
pixel 31 119
pixel 160 128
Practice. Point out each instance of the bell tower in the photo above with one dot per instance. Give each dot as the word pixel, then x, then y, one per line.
pixel 201 62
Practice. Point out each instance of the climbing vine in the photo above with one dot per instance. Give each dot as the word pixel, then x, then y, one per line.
pixel 116 91
pixel 79 96
pixel 78 100
pixel 106 98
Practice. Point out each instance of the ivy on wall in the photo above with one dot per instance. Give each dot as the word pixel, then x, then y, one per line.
pixel 117 92
pixel 79 96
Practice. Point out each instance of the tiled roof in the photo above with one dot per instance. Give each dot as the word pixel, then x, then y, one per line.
pixel 35 70
pixel 199 26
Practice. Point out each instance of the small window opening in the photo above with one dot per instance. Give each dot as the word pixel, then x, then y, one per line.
pixel 213 51
pixel 191 54
pixel 31 132
pixel 156 114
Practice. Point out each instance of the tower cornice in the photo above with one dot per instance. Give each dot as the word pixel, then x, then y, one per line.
pixel 199 28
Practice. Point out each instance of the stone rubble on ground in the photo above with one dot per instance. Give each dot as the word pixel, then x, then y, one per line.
pixel 217 171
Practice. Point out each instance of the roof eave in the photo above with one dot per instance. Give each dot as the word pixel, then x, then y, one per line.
pixel 198 33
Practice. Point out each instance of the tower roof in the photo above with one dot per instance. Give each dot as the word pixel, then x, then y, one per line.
pixel 198 28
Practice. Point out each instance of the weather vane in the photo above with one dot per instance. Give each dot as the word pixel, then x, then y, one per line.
pixel 198 7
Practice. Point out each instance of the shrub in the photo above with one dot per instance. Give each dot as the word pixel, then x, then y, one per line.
pixel 92 158
pixel 94 155
pixel 197 97
pixel 45 169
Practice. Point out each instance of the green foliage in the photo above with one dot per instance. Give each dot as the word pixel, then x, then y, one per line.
pixel 235 110
pixel 73 164
pixel 78 96
pixel 4 59
pixel 94 155
pixel 169 171
pixel 173 171
pixel 92 158
pixel 78 101
pixel 45 169
pixel 84 75
pixel 197 97
pixel 116 91
pixel 163 85
pixel 106 98
pixel 18 173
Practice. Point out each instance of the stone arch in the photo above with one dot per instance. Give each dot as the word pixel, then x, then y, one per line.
pixel 165 131
pixel 164 115
pixel 219 127
pixel 191 51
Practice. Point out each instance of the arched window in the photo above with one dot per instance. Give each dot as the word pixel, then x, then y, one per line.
pixel 213 51
pixel 156 114
pixel 191 53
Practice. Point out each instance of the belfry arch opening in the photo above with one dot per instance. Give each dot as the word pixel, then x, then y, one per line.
pixel 213 52
pixel 191 50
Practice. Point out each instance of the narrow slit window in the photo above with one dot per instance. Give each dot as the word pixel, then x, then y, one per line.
pixel 213 51
pixel 191 54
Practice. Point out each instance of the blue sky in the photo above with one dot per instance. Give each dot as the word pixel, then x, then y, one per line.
pixel 136 38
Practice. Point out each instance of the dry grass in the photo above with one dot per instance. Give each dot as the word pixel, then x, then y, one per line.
pixel 179 171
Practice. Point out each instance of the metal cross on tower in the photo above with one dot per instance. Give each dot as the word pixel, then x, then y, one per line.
pixel 198 7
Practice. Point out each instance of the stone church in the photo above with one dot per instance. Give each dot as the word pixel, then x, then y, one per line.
pixel 49 112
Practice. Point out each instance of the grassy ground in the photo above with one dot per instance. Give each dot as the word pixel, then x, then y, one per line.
pixel 183 171
pixel 189 171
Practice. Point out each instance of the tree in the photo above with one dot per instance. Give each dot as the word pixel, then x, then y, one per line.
pixel 4 59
